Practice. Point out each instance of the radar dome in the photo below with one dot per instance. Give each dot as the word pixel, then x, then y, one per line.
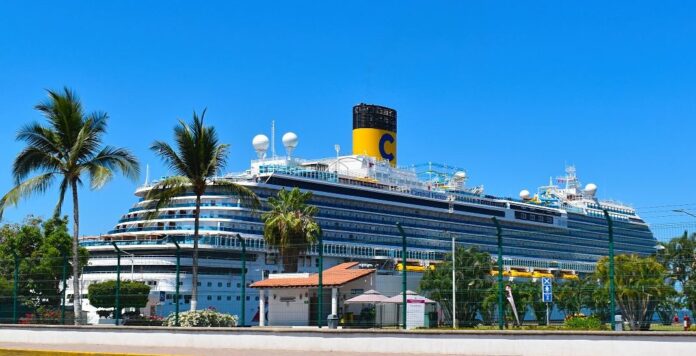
pixel 290 141
pixel 461 175
pixel 260 143
pixel 524 194
pixel 591 189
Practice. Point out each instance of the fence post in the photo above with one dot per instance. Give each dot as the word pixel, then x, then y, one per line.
pixel 65 287
pixel 243 313
pixel 176 290
pixel 612 287
pixel 117 311
pixel 403 271
pixel 15 288
pixel 499 234
pixel 320 293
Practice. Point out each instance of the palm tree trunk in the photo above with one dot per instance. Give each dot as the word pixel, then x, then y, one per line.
pixel 194 274
pixel 77 295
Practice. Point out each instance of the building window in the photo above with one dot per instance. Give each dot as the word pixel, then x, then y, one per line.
pixel 210 284
pixel 229 297
pixel 219 284
pixel 219 297
pixel 210 297
pixel 238 298
pixel 229 284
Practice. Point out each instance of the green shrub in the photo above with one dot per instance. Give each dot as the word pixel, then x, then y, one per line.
pixel 132 294
pixel 584 323
pixel 202 318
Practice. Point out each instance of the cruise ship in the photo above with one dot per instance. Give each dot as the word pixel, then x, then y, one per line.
pixel 559 231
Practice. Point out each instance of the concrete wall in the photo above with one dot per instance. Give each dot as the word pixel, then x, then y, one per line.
pixel 288 307
pixel 394 342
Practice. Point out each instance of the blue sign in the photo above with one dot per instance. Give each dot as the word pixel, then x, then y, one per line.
pixel 546 290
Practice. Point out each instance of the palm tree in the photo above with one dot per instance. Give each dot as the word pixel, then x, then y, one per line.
pixel 196 161
pixel 68 148
pixel 289 225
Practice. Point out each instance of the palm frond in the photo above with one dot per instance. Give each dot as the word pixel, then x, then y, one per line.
pixel 162 193
pixel 101 167
pixel 64 112
pixel 40 137
pixel 64 184
pixel 37 184
pixel 34 159
pixel 89 137
pixel 243 192
pixel 170 158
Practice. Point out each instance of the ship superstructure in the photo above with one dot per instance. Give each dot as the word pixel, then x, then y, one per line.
pixel 560 231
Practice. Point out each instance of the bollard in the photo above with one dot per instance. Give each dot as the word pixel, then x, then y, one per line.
pixel 618 323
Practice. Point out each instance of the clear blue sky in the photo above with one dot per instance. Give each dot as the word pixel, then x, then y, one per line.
pixel 510 90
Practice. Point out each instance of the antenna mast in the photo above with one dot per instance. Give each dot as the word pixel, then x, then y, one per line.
pixel 147 173
pixel 273 139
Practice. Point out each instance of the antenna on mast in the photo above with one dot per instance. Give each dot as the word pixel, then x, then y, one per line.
pixel 273 139
pixel 147 173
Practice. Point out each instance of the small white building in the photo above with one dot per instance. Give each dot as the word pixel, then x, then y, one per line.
pixel 292 298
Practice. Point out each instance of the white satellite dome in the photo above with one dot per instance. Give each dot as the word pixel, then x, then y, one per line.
pixel 461 175
pixel 260 142
pixel 591 189
pixel 524 194
pixel 290 141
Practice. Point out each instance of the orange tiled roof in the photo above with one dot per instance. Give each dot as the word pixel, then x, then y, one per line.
pixel 333 277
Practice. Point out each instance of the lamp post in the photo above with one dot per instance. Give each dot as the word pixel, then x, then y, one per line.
pixel 499 235
pixel 403 271
pixel 178 278
pixel 117 309
pixel 243 313
pixel 612 286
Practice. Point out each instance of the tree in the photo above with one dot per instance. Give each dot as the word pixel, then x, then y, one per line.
pixel 41 248
pixel 472 271
pixel 530 296
pixel 196 161
pixel 640 287
pixel 68 148
pixel 131 295
pixel 679 257
pixel 289 225
pixel 569 297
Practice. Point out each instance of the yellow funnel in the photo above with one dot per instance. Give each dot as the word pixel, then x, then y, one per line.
pixel 374 132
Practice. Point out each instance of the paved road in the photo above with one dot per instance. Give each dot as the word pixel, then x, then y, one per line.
pixel 178 351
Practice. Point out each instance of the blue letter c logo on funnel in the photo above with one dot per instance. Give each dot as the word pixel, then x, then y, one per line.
pixel 382 141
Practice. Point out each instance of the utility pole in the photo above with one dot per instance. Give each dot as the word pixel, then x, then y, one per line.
pixel 117 310
pixel 612 287
pixel 178 279
pixel 499 233
pixel 403 272
pixel 243 313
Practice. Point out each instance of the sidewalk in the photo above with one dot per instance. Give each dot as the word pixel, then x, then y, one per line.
pixel 97 350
